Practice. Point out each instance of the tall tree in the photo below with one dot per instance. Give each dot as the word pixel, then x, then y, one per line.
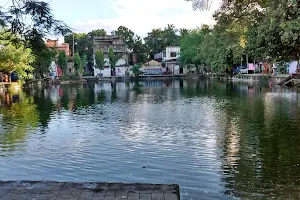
pixel 84 61
pixel 155 41
pixel 112 58
pixel 83 44
pixel 127 34
pixel 77 62
pixel 97 32
pixel 32 20
pixel 15 57
pixel 62 61
pixel 170 36
pixel 99 58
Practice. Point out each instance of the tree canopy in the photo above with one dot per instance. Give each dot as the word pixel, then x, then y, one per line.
pixel 263 30
pixel 99 58
pixel 15 57
pixel 32 20
pixel 62 60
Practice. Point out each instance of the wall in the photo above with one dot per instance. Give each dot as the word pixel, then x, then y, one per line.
pixel 172 49
pixel 120 71
pixel 70 69
pixel 106 72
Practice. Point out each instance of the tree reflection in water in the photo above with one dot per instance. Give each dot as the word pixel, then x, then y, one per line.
pixel 19 115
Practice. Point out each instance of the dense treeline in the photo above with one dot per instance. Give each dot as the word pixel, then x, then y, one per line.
pixel 260 30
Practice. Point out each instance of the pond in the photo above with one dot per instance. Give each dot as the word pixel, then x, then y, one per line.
pixel 217 140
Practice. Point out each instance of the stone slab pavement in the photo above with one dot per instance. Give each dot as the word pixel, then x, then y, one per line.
pixel 46 190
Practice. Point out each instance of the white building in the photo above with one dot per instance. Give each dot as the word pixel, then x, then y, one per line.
pixel 106 72
pixel 170 57
pixel 171 53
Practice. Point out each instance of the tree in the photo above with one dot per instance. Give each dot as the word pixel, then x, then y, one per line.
pixel 170 36
pixel 136 70
pixel 84 61
pixel 97 32
pixel 112 58
pixel 33 20
pixel 155 41
pixel 126 34
pixel 62 60
pixel 201 4
pixel 99 58
pixel 43 61
pixel 83 44
pixel 77 62
pixel 15 57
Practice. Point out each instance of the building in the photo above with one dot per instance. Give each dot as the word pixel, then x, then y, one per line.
pixel 120 49
pixel 170 58
pixel 59 47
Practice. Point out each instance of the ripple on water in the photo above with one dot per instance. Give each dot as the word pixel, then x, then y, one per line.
pixel 216 140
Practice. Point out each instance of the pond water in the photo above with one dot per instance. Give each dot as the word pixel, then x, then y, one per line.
pixel 217 140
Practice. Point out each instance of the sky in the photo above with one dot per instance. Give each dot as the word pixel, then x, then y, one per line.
pixel 138 15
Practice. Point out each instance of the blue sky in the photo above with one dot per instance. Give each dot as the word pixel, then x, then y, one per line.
pixel 138 15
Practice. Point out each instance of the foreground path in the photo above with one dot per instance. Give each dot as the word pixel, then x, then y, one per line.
pixel 30 190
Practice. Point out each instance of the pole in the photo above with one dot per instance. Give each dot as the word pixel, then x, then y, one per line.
pixel 247 64
pixel 73 46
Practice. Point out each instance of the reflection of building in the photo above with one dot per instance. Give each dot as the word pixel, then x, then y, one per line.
pixel 116 43
pixel 59 47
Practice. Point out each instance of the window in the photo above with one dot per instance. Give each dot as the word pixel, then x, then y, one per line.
pixel 173 54
pixel 164 54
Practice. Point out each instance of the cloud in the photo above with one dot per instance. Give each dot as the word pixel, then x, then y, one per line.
pixel 143 15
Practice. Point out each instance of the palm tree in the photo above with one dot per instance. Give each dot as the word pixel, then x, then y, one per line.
pixel 201 4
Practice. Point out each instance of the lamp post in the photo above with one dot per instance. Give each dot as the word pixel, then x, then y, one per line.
pixel 73 46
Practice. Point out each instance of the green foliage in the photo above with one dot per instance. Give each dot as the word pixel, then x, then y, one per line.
pixel 74 77
pixel 98 32
pixel 83 44
pixel 158 39
pixel 15 57
pixel 136 70
pixel 127 35
pixel 99 58
pixel 62 60
pixel 33 20
pixel 262 30
pixel 43 61
pixel 112 58
pixel 84 61
pixel 19 117
pixel 77 62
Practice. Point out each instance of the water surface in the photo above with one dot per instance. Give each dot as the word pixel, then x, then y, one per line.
pixel 217 140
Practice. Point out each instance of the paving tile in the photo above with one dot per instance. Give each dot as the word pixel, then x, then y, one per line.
pixel 109 195
pixel 98 196
pixel 145 196
pixel 77 191
pixel 157 196
pixel 170 196
pixel 121 196
pixel 133 196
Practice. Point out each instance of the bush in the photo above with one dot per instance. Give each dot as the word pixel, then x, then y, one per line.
pixel 65 78
pixel 70 78
pixel 85 74
pixel 74 77
pixel 238 76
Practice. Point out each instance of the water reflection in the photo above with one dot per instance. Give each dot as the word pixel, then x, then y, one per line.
pixel 216 139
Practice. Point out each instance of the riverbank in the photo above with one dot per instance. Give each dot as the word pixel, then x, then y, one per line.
pixel 262 78
pixel 45 190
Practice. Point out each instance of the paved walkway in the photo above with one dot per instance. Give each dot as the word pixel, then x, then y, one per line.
pixel 29 190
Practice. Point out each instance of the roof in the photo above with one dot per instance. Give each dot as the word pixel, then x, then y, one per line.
pixel 153 63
